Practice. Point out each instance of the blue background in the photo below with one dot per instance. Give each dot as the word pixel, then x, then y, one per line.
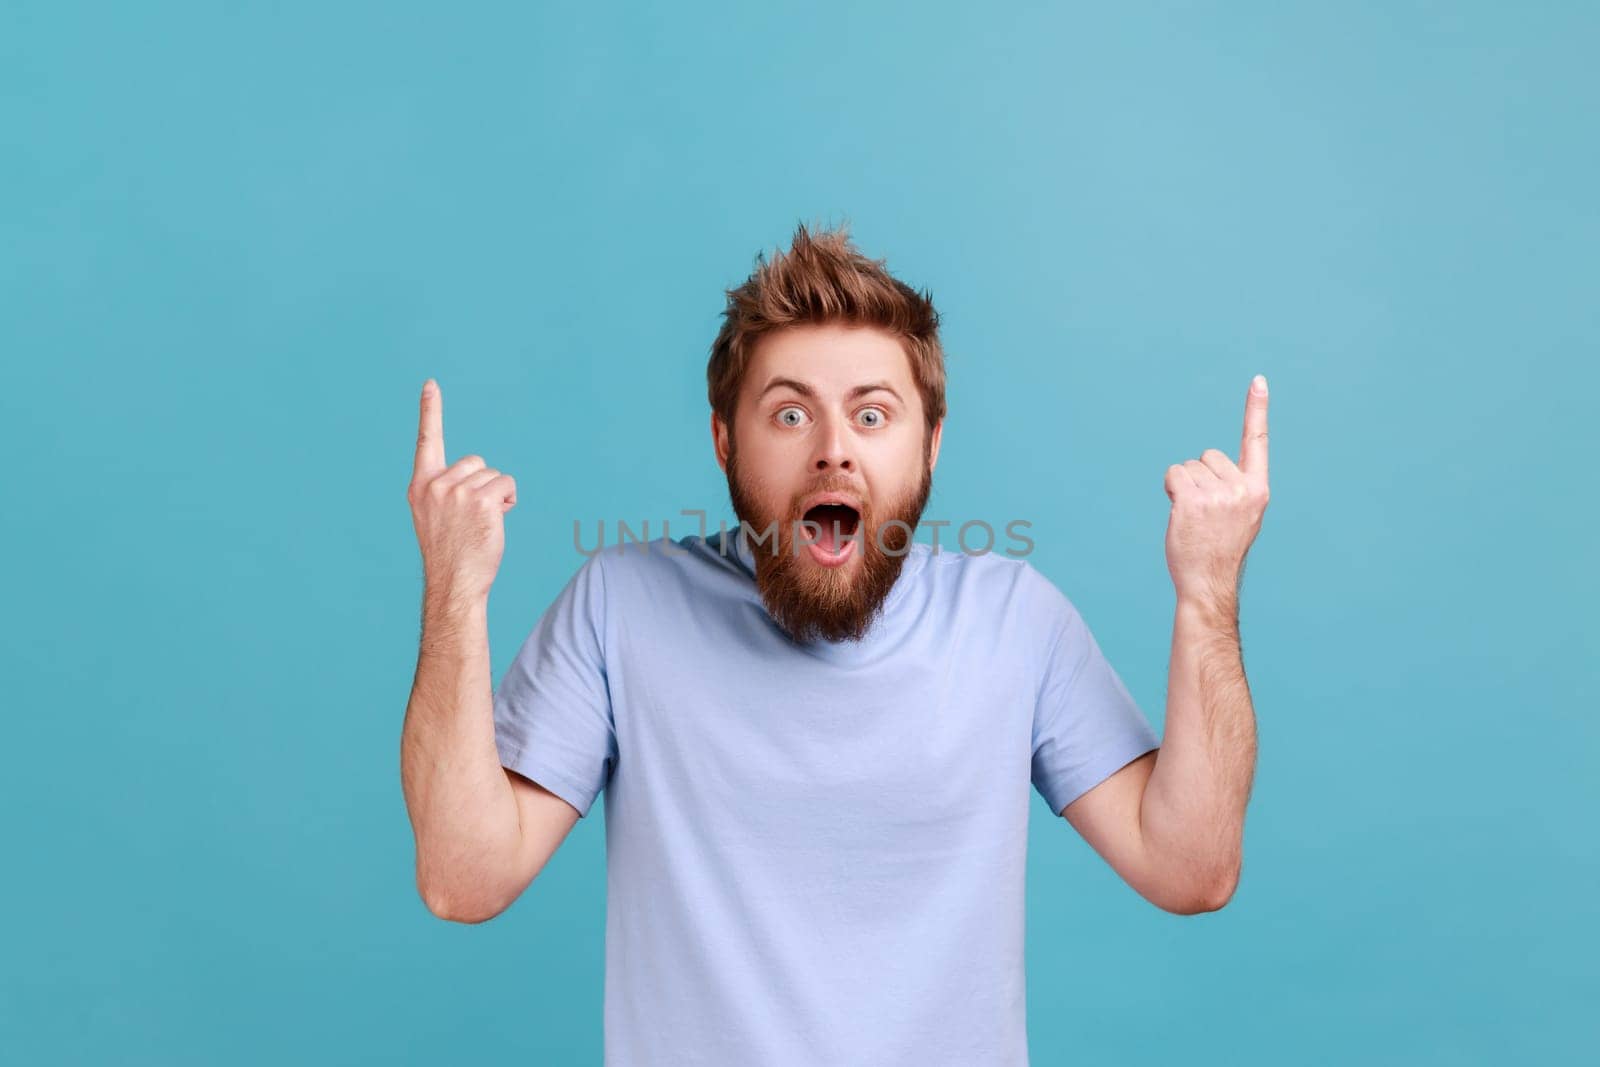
pixel 237 238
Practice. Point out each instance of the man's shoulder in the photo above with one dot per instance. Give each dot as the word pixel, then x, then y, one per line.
pixel 1010 583
pixel 991 568
pixel 662 559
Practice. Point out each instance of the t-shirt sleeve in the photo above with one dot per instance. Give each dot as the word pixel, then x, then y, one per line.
pixel 1086 725
pixel 552 709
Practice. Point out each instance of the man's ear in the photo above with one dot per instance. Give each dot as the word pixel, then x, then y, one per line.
pixel 719 440
pixel 933 445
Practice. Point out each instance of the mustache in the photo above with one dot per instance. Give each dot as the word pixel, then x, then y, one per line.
pixel 830 485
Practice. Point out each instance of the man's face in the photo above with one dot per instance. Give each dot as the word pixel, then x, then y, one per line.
pixel 828 432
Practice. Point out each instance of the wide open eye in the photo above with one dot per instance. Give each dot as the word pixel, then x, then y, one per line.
pixel 872 418
pixel 791 416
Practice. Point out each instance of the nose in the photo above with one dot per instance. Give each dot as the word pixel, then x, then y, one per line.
pixel 833 448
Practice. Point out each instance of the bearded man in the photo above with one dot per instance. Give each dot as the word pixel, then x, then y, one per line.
pixel 816 735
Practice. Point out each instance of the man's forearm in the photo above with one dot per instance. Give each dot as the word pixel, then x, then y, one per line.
pixel 1192 814
pixel 463 811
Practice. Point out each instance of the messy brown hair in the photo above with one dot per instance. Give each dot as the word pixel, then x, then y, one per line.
pixel 824 279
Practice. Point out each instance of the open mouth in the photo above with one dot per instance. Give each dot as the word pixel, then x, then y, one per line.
pixel 833 524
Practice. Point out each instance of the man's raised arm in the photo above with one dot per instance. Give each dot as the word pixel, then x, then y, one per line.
pixel 482 833
pixel 1171 823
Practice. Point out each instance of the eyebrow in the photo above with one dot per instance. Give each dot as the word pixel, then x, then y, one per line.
pixel 805 390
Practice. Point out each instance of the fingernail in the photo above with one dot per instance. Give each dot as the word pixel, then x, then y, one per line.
pixel 1258 385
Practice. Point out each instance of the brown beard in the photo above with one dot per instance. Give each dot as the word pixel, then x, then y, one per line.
pixel 809 601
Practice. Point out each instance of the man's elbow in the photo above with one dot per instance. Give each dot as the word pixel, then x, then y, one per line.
pixel 457 909
pixel 1203 895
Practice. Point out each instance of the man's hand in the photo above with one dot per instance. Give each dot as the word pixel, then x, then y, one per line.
pixel 1216 512
pixel 459 510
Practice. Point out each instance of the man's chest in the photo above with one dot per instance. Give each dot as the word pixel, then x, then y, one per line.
pixel 928 740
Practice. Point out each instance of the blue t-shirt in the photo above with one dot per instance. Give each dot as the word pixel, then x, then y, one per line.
pixel 814 854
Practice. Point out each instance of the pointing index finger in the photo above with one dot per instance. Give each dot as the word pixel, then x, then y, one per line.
pixel 430 433
pixel 1253 446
